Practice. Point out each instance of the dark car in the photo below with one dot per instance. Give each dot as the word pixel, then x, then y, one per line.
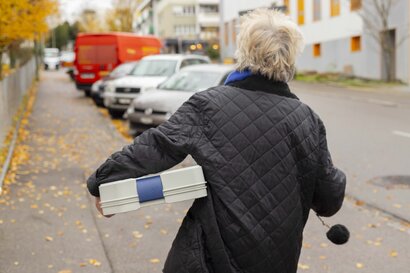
pixel 97 89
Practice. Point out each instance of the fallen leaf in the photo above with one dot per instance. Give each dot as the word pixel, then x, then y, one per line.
pixel 359 265
pixel 322 257
pixel 48 238
pixel 65 271
pixel 83 264
pixel 154 261
pixel 398 206
pixel 163 231
pixel 303 266
pixel 307 245
pixel 94 262
pixel 359 203
pixel 393 253
pixel 137 234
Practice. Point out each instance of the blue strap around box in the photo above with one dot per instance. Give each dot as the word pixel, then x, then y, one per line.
pixel 150 188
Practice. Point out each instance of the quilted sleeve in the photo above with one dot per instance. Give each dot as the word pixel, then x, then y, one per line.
pixel 155 150
pixel 331 182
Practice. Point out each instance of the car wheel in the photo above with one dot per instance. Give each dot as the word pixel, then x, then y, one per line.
pixel 116 114
pixel 87 93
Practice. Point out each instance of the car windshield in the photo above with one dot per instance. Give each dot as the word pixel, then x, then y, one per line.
pixel 122 69
pixel 51 54
pixel 191 81
pixel 152 68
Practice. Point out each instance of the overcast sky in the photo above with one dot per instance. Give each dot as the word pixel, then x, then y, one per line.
pixel 70 9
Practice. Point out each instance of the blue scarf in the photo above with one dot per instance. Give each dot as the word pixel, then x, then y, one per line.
pixel 237 76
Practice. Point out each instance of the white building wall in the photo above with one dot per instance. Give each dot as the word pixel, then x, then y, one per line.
pixel 334 34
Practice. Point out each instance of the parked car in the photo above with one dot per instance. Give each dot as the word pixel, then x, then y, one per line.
pixel 97 89
pixel 51 58
pixel 97 54
pixel 150 72
pixel 67 59
pixel 155 107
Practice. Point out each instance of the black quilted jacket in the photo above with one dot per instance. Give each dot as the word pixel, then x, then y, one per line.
pixel 266 161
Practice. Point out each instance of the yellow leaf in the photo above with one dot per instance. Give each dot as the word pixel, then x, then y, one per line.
pixel 48 238
pixel 65 271
pixel 137 234
pixel 359 265
pixel 393 253
pixel 322 257
pixel 94 262
pixel 164 231
pixel 303 266
pixel 154 261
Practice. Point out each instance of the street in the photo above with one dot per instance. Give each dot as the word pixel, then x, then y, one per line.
pixel 48 221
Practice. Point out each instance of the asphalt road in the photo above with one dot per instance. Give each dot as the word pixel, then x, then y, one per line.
pixel 48 222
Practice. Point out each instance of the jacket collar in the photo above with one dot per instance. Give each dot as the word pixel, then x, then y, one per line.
pixel 262 83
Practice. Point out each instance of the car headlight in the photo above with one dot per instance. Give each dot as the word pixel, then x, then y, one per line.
pixel 109 88
pixel 94 87
pixel 130 109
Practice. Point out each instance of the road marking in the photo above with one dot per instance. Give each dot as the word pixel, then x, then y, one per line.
pixel 382 102
pixel 400 133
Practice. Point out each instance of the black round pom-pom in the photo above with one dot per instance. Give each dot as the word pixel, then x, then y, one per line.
pixel 338 234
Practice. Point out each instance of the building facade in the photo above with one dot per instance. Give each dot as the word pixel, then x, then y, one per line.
pixel 184 25
pixel 337 38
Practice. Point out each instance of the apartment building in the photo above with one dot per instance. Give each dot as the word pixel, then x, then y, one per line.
pixel 184 25
pixel 337 38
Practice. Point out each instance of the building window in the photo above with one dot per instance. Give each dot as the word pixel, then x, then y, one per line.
pixel 226 33
pixel 317 50
pixel 355 4
pixel 301 12
pixel 209 8
pixel 287 5
pixel 234 31
pixel 184 10
pixel 334 8
pixel 317 10
pixel 181 30
pixel 356 44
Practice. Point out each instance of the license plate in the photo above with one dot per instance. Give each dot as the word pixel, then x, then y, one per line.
pixel 146 120
pixel 124 101
pixel 87 75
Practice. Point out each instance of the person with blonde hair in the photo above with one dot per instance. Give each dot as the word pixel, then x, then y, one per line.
pixel 263 153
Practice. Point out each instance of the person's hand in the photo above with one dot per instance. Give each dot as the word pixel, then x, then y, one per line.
pixel 98 206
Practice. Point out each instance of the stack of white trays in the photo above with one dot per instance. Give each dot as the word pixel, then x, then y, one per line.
pixel 168 187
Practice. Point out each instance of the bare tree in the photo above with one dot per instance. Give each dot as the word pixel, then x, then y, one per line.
pixel 376 15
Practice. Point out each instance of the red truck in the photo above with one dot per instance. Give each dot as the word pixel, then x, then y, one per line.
pixel 97 54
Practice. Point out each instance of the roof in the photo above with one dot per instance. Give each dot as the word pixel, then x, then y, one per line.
pixel 174 57
pixel 222 68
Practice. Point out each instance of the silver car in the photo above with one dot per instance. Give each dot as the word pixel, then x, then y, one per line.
pixel 151 71
pixel 153 108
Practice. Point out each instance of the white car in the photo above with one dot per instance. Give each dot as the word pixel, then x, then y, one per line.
pixel 150 72
pixel 153 108
pixel 51 58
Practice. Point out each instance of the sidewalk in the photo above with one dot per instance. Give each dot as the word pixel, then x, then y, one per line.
pixel 48 222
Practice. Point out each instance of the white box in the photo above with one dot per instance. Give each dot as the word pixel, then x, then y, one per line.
pixel 178 185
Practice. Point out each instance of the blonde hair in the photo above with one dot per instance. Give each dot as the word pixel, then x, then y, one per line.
pixel 268 43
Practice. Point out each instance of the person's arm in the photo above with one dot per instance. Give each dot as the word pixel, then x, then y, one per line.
pixel 155 150
pixel 331 182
